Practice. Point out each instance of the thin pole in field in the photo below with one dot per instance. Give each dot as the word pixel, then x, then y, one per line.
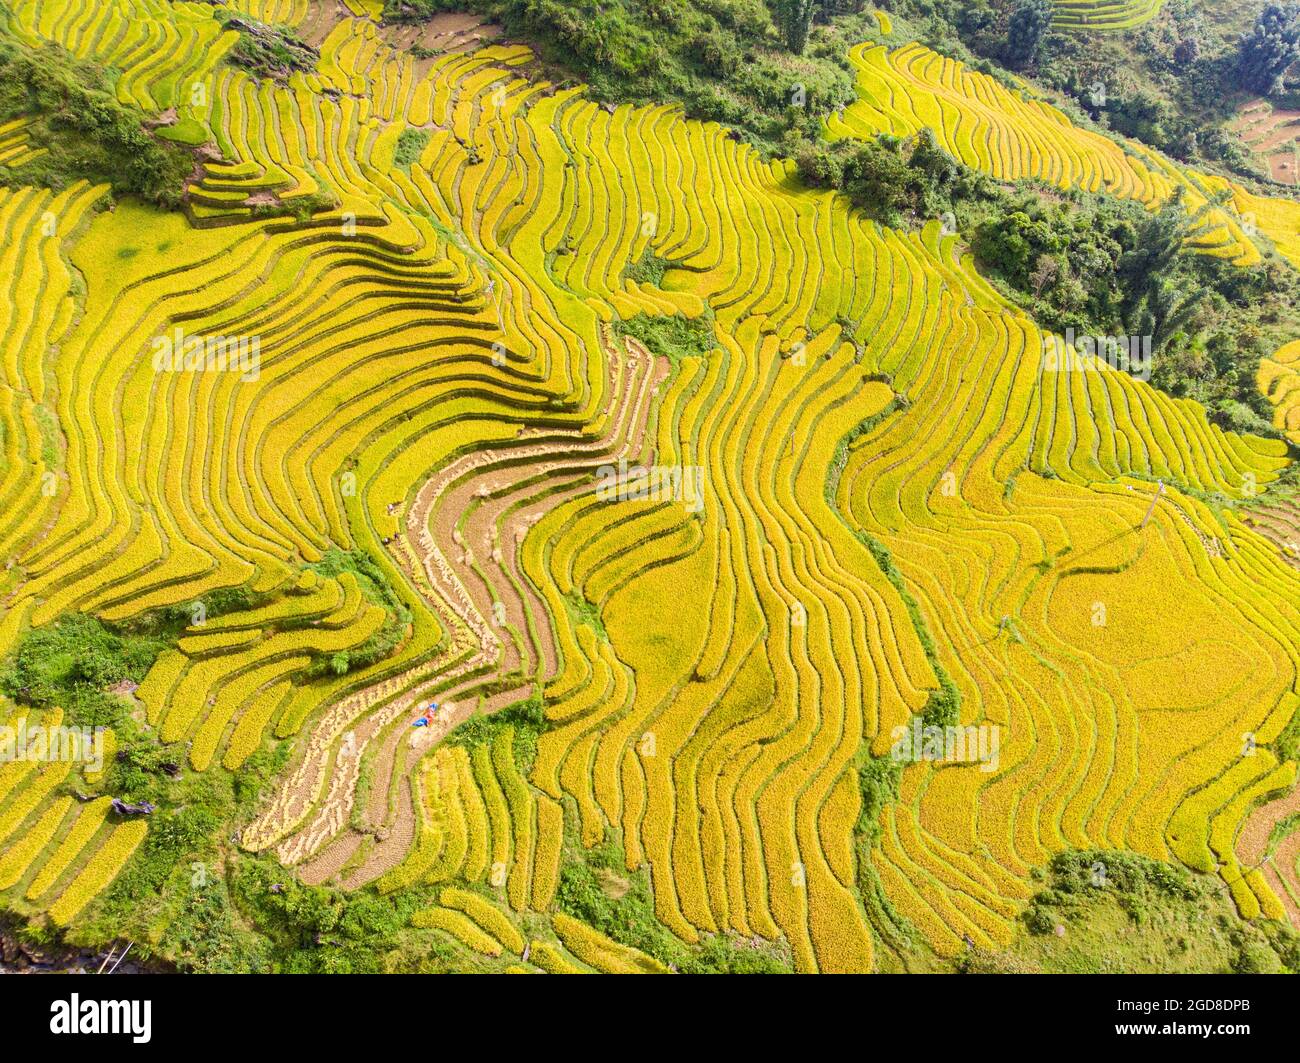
pixel 1154 499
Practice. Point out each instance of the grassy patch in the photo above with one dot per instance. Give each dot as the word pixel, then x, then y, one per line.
pixel 377 589
pixel 270 51
pixel 596 888
pixel 582 611
pixel 410 146
pixel 674 337
pixel 46 422
pixel 72 663
pixel 649 269
pixel 86 133
pixel 528 718
pixel 319 930
pixel 1115 912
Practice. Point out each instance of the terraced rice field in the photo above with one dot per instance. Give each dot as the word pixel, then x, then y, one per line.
pixel 1272 133
pixel 1012 135
pixel 1281 524
pixel 1095 15
pixel 1279 380
pixel 439 384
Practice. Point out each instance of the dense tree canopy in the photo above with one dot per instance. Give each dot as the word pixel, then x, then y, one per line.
pixel 1270 49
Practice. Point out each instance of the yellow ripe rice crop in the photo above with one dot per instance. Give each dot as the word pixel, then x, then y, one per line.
pixel 99 871
pixel 1279 380
pixel 88 822
pixel 602 953
pixel 460 927
pixel 19 856
pixel 677 603
pixel 491 919
pixel 1011 135
pixel 552 960
pixel 1104 14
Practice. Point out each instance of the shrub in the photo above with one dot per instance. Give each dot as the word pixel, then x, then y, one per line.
pixel 86 133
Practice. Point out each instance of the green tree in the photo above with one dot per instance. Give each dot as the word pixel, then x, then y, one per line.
pixel 795 17
pixel 86 133
pixel 1157 300
pixel 1025 31
pixel 1270 49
